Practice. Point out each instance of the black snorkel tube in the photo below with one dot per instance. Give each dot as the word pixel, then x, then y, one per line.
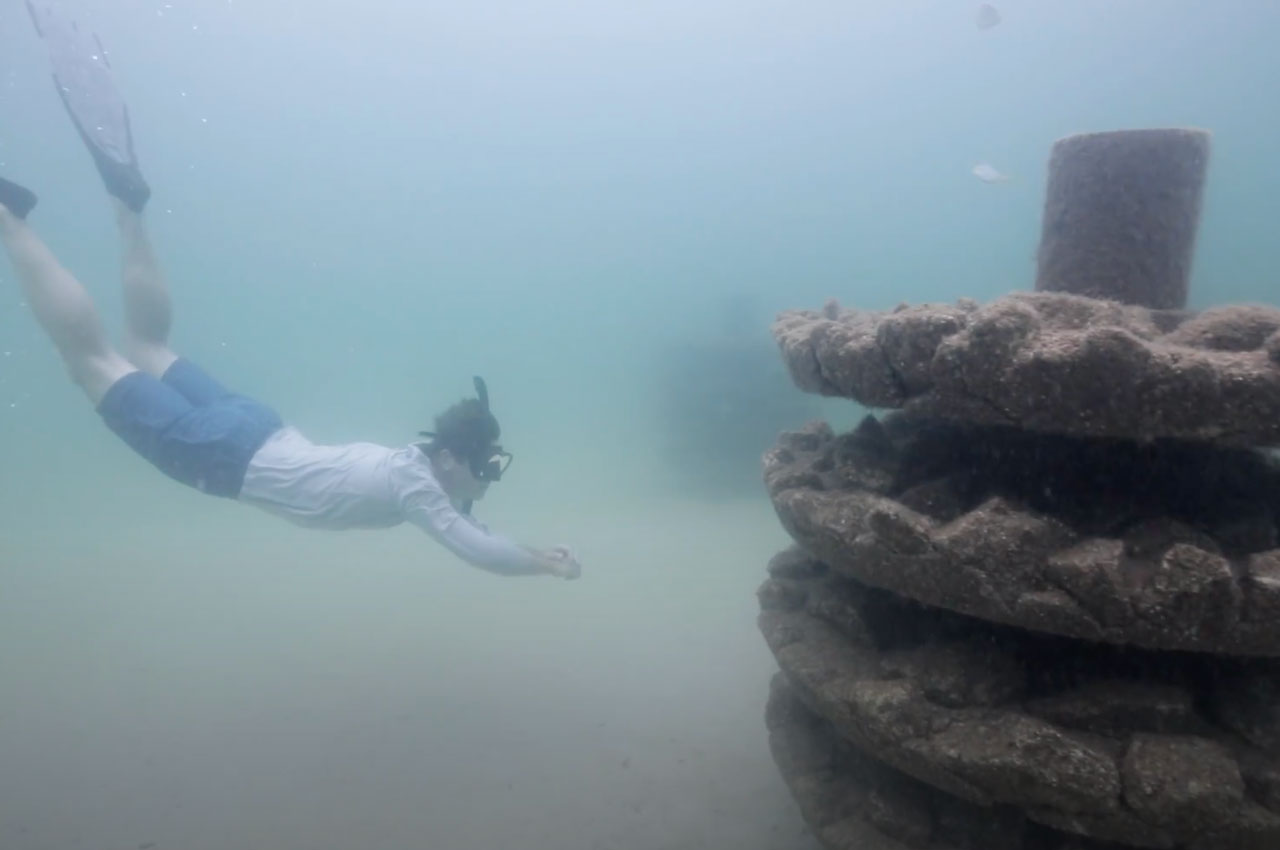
pixel 482 393
pixel 486 461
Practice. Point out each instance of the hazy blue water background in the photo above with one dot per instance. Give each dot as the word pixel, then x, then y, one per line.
pixel 359 207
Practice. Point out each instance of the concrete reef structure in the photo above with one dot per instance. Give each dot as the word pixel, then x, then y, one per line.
pixel 1036 603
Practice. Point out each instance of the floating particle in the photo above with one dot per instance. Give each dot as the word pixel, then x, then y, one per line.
pixel 988 174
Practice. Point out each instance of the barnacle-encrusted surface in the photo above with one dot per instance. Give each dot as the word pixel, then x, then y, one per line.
pixel 1160 750
pixel 1052 363
pixel 1162 545
pixel 852 802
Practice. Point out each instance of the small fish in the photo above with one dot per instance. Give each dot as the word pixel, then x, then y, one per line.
pixel 987 174
pixel 988 16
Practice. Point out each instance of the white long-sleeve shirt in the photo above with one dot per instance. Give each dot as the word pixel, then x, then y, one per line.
pixel 365 485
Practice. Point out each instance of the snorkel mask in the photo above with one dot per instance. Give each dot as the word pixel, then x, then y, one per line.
pixel 487 461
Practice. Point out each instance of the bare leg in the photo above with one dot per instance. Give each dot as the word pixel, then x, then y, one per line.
pixel 147 311
pixel 63 308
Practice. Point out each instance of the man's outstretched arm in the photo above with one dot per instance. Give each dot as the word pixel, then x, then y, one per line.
pixel 481 548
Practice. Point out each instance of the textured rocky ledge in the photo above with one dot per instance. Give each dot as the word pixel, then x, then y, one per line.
pixel 852 802
pixel 1053 363
pixel 1158 750
pixel 1165 545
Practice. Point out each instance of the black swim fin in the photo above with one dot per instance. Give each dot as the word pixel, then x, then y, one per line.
pixel 18 200
pixel 82 76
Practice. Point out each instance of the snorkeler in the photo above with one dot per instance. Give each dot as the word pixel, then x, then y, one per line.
pixel 199 433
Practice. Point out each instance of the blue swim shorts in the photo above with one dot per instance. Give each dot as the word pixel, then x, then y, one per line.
pixel 189 426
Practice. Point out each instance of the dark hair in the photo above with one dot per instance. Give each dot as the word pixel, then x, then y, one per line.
pixel 464 429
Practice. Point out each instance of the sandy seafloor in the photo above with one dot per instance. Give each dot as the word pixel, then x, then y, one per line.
pixel 210 678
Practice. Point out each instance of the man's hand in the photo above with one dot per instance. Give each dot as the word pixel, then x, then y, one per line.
pixel 560 562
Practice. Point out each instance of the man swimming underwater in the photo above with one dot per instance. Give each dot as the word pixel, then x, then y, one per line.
pixel 193 429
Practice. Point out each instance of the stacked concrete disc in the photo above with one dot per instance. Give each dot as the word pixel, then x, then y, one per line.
pixel 1036 606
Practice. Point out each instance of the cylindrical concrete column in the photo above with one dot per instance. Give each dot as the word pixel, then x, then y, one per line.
pixel 1121 214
